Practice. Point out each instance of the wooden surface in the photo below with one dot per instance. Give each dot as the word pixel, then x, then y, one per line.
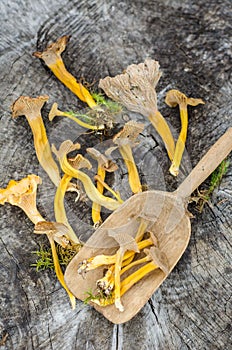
pixel 191 40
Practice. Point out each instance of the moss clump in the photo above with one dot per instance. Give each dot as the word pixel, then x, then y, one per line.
pixel 203 196
pixel 44 256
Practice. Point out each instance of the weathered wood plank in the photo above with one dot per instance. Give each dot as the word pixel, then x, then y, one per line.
pixel 190 39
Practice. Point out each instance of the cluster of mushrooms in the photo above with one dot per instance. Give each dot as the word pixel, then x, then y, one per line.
pixel 134 90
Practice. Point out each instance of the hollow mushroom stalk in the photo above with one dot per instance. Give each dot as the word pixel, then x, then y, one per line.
pixel 55 112
pixel 106 284
pixel 59 209
pixel 56 232
pixel 104 165
pixel 31 108
pixel 52 58
pixel 124 141
pixel 174 98
pixel 101 260
pixel 126 243
pixel 135 89
pixel 22 194
pixel 155 259
pixel 72 168
pixel 158 260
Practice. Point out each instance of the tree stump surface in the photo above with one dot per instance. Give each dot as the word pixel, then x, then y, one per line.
pixel 191 41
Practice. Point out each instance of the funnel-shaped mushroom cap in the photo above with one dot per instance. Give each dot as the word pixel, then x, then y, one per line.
pixel 18 192
pixel 58 231
pixel 129 134
pixel 53 51
pixel 175 97
pixel 103 161
pixel 159 258
pixel 135 88
pixel 65 148
pixel 28 106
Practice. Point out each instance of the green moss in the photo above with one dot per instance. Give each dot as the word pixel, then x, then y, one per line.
pixel 203 196
pixel 44 256
pixel 44 260
pixel 111 106
pixel 99 296
pixel 217 175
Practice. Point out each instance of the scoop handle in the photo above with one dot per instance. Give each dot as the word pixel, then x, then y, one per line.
pixel 206 165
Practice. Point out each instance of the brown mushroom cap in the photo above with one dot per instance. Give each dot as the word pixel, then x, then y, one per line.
pixel 128 134
pixel 53 51
pixel 48 227
pixel 65 148
pixel 79 162
pixel 135 88
pixel 125 241
pixel 28 106
pixel 175 97
pixel 103 161
pixel 58 231
pixel 159 258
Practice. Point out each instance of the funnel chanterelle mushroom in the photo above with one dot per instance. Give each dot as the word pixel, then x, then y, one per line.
pixel 52 58
pixel 31 107
pixel 174 98
pixel 72 168
pixel 22 194
pixel 104 165
pixel 97 125
pixel 124 141
pixel 135 89
pixel 56 232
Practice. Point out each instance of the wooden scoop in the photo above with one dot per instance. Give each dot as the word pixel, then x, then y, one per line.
pixel 170 224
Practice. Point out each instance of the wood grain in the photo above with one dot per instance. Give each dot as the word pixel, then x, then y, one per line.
pixel 190 39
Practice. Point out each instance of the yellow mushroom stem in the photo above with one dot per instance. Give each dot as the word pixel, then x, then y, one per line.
pixel 56 112
pixel 104 184
pixel 117 281
pixel 59 70
pixel 174 98
pixel 180 144
pixel 135 263
pixel 100 260
pixel 133 174
pixel 164 131
pixel 31 108
pixel 91 191
pixel 96 208
pixel 141 230
pixel 56 232
pixel 59 208
pixel 106 283
pixel 59 272
pixel 52 58
pixel 129 281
